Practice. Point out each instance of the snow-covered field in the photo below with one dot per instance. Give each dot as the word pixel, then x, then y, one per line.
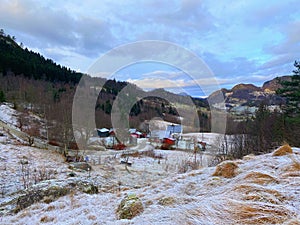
pixel 264 190
pixel 18 161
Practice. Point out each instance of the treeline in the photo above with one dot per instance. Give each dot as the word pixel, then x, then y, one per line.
pixel 267 129
pixel 257 134
pixel 31 64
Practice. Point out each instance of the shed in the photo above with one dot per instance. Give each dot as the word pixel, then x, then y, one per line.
pixel 103 132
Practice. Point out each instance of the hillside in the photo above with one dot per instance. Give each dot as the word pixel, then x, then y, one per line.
pixel 248 97
pixel 256 190
pixel 38 85
pixel 32 65
pixel 27 78
pixel 275 84
pixel 260 189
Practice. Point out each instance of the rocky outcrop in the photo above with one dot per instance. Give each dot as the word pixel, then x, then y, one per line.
pixel 46 191
pixel 242 97
pixel 249 87
pixel 273 85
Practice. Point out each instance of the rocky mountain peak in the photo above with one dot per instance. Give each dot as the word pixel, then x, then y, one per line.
pixel 274 84
pixel 249 87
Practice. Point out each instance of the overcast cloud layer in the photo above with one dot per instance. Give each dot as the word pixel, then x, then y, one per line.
pixel 241 41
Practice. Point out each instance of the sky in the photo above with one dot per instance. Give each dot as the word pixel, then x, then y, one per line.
pixel 239 41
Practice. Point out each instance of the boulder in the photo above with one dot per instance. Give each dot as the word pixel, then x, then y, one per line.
pixel 87 187
pixel 80 166
pixel 130 207
pixel 45 191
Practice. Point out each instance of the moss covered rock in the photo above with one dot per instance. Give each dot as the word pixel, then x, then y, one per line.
pixel 129 207
pixel 87 187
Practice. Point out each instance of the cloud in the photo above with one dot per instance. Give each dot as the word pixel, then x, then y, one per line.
pixel 241 41
pixel 200 87
pixel 167 79
pixel 231 67
pixel 153 83
pixel 190 15
pixel 56 27
pixel 291 41
pixel 285 52
pixel 161 73
pixel 69 58
pixel 272 15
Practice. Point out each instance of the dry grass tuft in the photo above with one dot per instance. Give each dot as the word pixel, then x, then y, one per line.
pixel 293 169
pixel 197 212
pixel 92 217
pixel 260 178
pixel 260 214
pixel 50 208
pixel 291 174
pixel 296 165
pixel 149 153
pixel 292 222
pixel 226 169
pixel 256 193
pixel 283 150
pixel 46 219
pixel 249 157
pixel 149 202
pixel 167 201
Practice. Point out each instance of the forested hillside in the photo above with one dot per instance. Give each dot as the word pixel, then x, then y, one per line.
pixel 19 60
pixel 39 85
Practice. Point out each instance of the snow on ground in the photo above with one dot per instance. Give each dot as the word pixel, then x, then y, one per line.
pixel 8 114
pixel 206 137
pixel 143 169
pixel 265 191
pixel 18 162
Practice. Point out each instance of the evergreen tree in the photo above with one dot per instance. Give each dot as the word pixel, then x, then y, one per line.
pixel 2 96
pixel 291 91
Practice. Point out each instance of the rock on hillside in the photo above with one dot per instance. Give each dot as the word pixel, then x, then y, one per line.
pixel 46 191
pixel 248 87
pixel 244 96
pixel 274 84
